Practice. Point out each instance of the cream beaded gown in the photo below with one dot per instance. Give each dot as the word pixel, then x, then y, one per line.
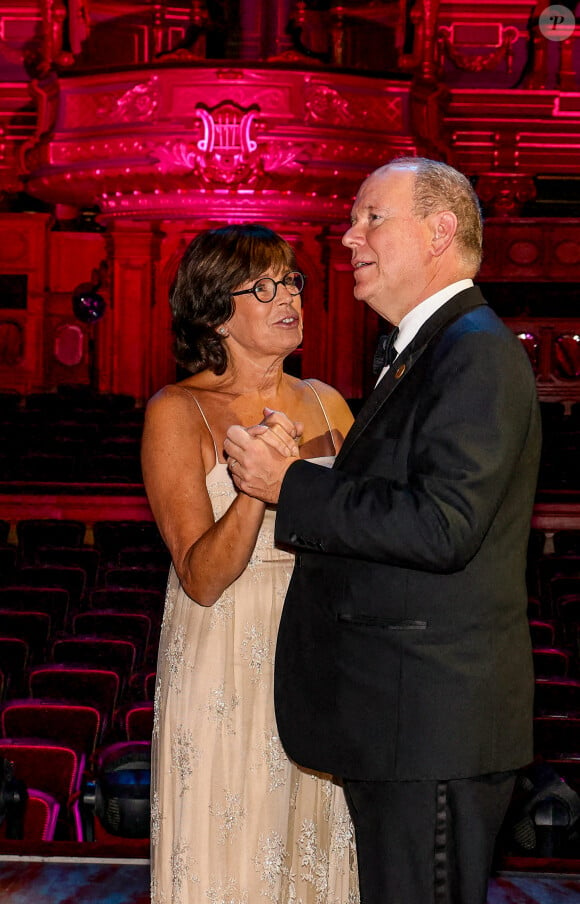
pixel 233 821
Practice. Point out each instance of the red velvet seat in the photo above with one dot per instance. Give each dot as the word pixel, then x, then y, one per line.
pixel 35 532
pixel 551 662
pixel 128 599
pixel 567 542
pixel 111 468
pixel 46 467
pixel 71 579
pixel 77 684
pixel 568 614
pixel 137 577
pixel 84 557
pixel 14 658
pixel 53 768
pixel 556 734
pixel 40 818
pixel 557 695
pixel 143 684
pixel 92 650
pixel 30 626
pixel 76 725
pixel 542 633
pixel 110 537
pixel 145 557
pixel 52 600
pixel 7 563
pixel 107 623
pixel 135 721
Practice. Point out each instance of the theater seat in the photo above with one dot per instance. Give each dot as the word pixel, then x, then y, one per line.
pixel 135 721
pixel 40 817
pixel 77 684
pixel 76 725
pixel 551 662
pixel 133 626
pixel 93 650
pixel 54 769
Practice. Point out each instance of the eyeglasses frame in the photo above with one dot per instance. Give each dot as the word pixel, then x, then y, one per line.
pixel 277 282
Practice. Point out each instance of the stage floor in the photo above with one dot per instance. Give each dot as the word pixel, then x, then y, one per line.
pixel 117 881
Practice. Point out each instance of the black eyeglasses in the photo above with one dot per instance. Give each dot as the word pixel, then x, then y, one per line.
pixel 265 288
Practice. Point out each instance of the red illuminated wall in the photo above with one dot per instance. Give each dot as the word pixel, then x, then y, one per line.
pixel 126 128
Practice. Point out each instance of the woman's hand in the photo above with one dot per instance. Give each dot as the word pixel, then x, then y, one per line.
pixel 278 431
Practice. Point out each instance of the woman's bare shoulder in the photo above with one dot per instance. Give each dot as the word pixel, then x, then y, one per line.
pixel 334 403
pixel 176 394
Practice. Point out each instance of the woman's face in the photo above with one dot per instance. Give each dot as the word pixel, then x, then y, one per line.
pixel 265 328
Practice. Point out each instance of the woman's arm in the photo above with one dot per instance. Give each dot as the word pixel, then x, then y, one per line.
pixel 177 450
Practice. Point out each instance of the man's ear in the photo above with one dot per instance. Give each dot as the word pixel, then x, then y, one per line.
pixel 444 229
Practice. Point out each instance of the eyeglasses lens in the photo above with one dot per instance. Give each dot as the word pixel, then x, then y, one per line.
pixel 265 289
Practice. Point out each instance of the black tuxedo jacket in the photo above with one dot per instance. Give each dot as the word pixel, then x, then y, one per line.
pixel 404 649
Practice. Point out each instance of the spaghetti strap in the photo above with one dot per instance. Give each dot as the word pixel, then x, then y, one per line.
pixel 190 393
pixel 310 384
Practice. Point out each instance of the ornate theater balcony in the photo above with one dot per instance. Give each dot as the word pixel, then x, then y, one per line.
pixel 215 141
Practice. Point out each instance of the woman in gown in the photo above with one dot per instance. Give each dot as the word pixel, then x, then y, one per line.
pixel 233 820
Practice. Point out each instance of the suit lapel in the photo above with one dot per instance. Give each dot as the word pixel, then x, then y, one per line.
pixel 445 315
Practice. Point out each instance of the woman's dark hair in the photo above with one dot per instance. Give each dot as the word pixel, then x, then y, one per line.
pixel 215 264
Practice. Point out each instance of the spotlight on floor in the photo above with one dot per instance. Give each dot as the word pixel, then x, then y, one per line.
pixel 118 795
pixel 544 819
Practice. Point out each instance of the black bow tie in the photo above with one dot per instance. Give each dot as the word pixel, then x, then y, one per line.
pixel 386 351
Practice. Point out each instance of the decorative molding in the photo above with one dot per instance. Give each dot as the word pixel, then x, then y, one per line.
pixel 504 194
pixel 479 62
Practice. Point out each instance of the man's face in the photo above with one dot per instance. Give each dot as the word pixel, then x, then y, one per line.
pixel 390 246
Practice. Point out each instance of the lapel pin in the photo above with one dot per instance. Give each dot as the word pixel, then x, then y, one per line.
pixel 400 371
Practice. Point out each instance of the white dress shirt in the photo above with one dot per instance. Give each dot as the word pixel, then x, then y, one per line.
pixel 414 320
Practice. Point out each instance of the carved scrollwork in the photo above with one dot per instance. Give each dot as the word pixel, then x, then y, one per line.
pixel 482 62
pixel 225 153
pixel 139 103
pixel 505 194
pixel 326 104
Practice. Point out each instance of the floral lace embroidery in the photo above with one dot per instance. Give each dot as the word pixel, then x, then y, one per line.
pixel 170 597
pixel 227 894
pixel 342 835
pixel 257 650
pixel 222 611
pixel 271 861
pixel 222 494
pixel 272 754
pixel 155 818
pixel 157 706
pixel 183 755
pixel 313 861
pixel 175 656
pixel 181 870
pixel 221 710
pixel 231 816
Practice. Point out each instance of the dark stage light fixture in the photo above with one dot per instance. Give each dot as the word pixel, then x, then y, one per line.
pixel 118 795
pixel 88 306
pixel 544 819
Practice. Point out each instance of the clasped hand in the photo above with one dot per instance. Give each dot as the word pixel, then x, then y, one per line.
pixel 259 456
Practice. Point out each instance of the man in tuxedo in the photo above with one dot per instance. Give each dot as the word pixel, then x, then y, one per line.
pixel 403 663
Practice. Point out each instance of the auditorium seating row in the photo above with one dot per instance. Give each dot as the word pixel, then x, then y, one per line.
pixel 79 628
pixel 76 436
pixel 81 610
pixel 70 436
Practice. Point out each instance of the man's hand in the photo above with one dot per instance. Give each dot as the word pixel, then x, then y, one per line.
pixel 259 457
